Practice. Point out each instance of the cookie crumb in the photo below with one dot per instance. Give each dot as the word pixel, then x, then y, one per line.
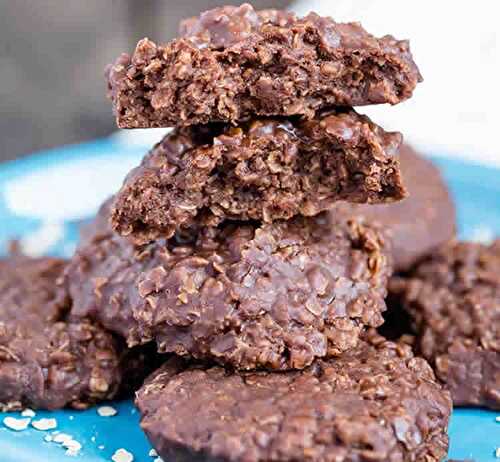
pixel 71 417
pixel 497 453
pixel 73 447
pixel 44 424
pixel 107 411
pixel 16 424
pixel 497 419
pixel 62 438
pixel 101 447
pixel 48 439
pixel 72 444
pixel 122 455
pixel 153 453
pixel 28 413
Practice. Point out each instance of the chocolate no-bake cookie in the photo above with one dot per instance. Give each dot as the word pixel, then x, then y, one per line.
pixel 421 222
pixel 453 298
pixel 265 170
pixel 374 403
pixel 46 361
pixel 248 295
pixel 233 63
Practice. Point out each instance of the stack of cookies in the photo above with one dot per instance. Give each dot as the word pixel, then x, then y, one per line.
pixel 254 248
pixel 225 252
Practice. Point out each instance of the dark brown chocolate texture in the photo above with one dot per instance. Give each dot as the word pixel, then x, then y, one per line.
pixel 233 63
pixel 419 223
pixel 266 170
pixel 374 403
pixel 453 298
pixel 45 361
pixel 246 295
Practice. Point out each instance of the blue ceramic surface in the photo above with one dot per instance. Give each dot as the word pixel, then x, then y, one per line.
pixel 474 433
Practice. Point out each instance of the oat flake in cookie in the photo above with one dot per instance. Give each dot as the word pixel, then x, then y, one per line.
pixel 275 295
pixel 266 170
pixel 233 63
pixel 422 221
pixel 374 403
pixel 46 362
pixel 453 298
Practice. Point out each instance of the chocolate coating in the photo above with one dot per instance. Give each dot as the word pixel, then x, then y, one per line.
pixel 46 361
pixel 233 63
pixel 453 298
pixel 246 295
pixel 266 170
pixel 419 223
pixel 374 403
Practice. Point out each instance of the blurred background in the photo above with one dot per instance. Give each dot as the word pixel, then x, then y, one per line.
pixel 53 52
pixel 52 59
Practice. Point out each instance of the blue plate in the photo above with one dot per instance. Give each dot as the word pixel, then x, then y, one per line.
pixel 474 433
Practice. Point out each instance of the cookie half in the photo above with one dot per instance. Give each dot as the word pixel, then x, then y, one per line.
pixel 233 63
pixel 266 170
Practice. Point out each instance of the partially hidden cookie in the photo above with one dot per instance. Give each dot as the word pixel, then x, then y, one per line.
pixel 453 299
pixel 376 402
pixel 245 295
pixel 233 63
pixel 419 223
pixel 266 170
pixel 47 361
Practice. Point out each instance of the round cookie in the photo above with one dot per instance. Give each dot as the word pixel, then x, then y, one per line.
pixel 422 221
pixel 453 298
pixel 46 361
pixel 246 295
pixel 374 403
